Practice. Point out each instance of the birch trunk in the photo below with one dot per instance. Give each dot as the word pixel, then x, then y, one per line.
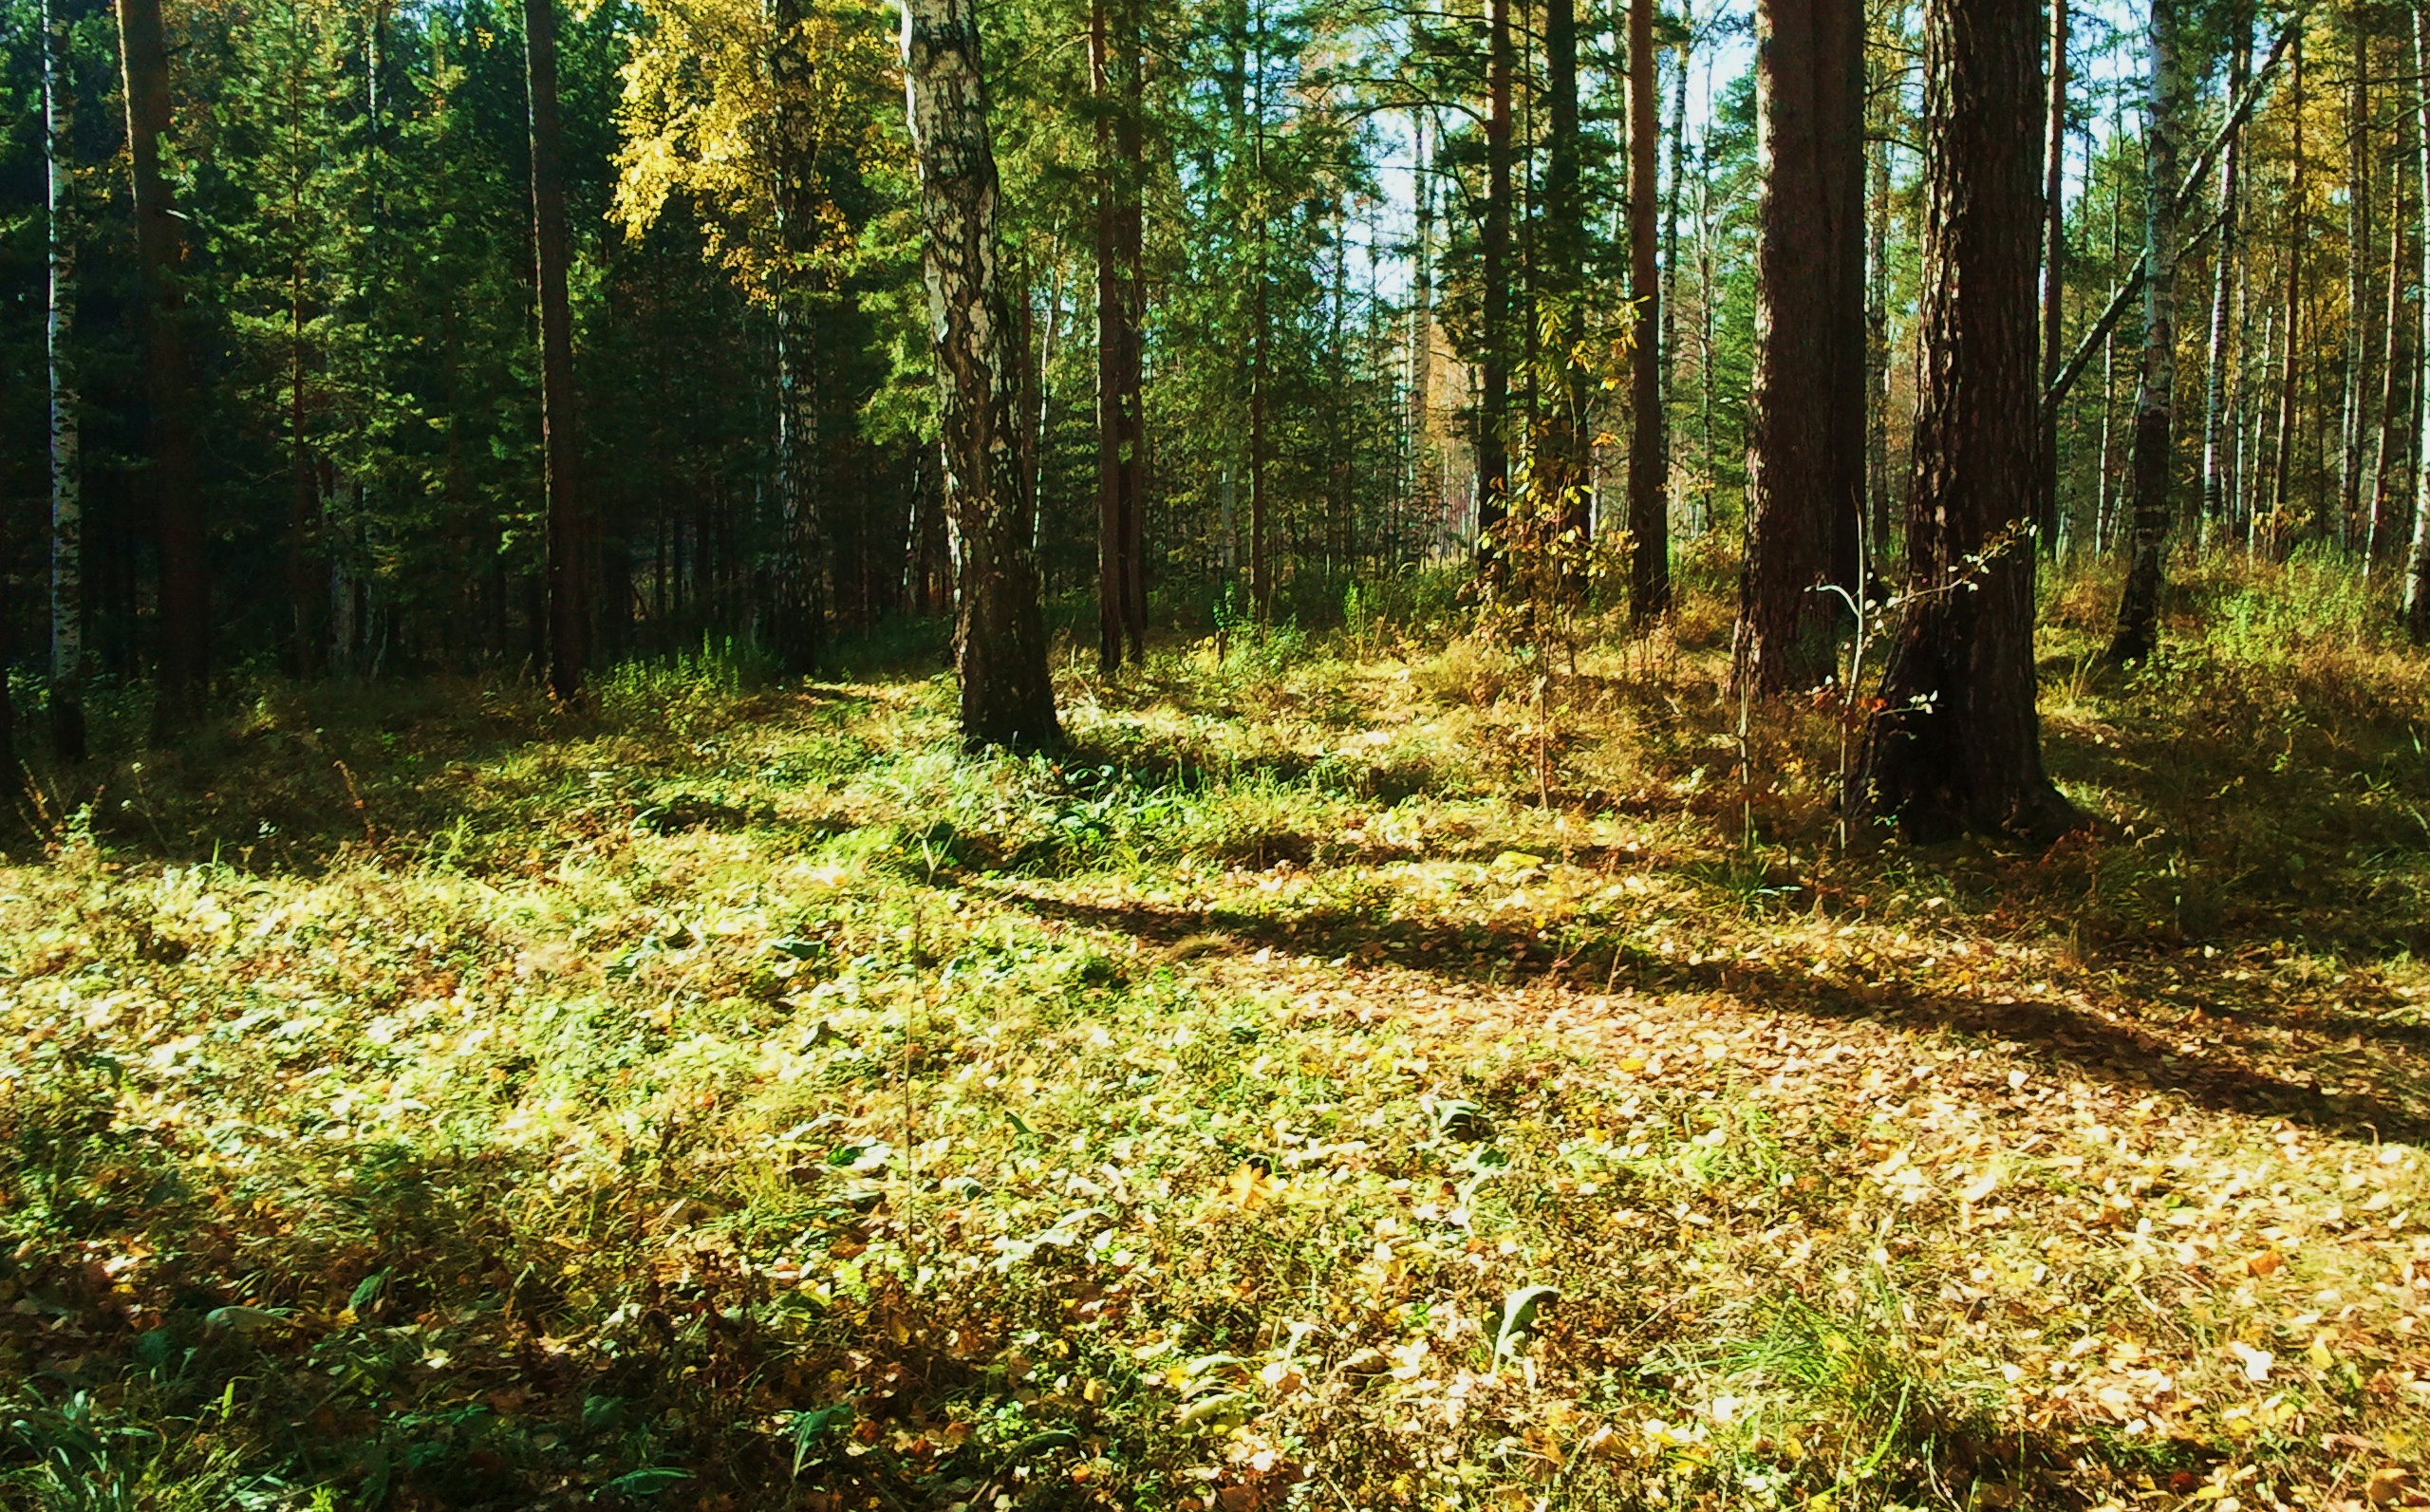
pixel 2416 601
pixel 66 691
pixel 1000 630
pixel 2223 287
pixel 2152 461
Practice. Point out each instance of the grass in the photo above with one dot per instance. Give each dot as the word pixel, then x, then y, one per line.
pixel 421 1097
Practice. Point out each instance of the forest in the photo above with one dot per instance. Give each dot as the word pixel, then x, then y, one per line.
pixel 1247 755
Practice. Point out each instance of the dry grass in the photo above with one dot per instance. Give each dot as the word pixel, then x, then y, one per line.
pixel 745 1100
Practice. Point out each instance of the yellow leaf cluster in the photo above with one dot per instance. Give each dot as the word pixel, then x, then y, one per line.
pixel 698 113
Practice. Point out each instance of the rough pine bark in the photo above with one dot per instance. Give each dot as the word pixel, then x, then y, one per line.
pixel 803 578
pixel 1956 743
pixel 1493 362
pixel 1805 464
pixel 2054 261
pixel 1115 78
pixel 66 690
pixel 2382 533
pixel 2152 461
pixel 1425 498
pixel 1000 629
pixel 1876 349
pixel 567 609
pixel 1648 456
pixel 183 624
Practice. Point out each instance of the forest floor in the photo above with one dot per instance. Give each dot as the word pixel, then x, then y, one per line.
pixel 738 1097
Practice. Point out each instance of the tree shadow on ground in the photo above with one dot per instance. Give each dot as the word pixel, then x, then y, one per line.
pixel 2114 1047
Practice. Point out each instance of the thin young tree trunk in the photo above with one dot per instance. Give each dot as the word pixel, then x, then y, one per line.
pixel 1670 192
pixel 2248 517
pixel 1114 76
pixel 2282 496
pixel 2223 286
pixel 2152 463
pixel 184 619
pixel 2416 599
pixel 66 690
pixel 1008 694
pixel 1426 503
pixel 2352 419
pixel 1493 362
pixel 569 621
pixel 1877 354
pixel 1806 452
pixel 2054 258
pixel 2381 531
pixel 1561 272
pixel 1649 461
pixel 306 579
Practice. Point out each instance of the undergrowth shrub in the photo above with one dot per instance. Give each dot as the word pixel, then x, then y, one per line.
pixel 688 693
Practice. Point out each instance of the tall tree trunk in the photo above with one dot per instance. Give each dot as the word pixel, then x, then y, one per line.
pixel 2385 448
pixel 1672 188
pixel 999 632
pixel 2282 487
pixel 183 624
pixel 1493 362
pixel 1425 501
pixel 1113 71
pixel 1649 459
pixel 1957 743
pixel 1561 262
pixel 2223 284
pixel 1129 256
pixel 1877 358
pixel 2153 462
pixel 804 569
pixel 2416 600
pixel 567 612
pixel 1807 454
pixel 66 691
pixel 2352 419
pixel 2054 260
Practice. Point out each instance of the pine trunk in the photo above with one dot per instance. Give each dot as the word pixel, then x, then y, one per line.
pixel 1560 274
pixel 1957 745
pixel 183 624
pixel 2054 260
pixel 1806 458
pixel 1008 694
pixel 1493 362
pixel 1114 73
pixel 566 610
pixel 2152 462
pixel 1425 500
pixel 803 571
pixel 1649 461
